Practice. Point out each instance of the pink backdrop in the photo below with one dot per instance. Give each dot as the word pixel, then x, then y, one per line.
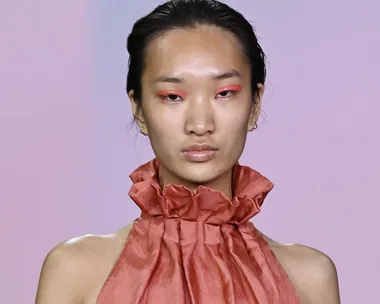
pixel 66 149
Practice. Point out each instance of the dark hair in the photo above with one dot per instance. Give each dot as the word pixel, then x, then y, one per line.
pixel 190 14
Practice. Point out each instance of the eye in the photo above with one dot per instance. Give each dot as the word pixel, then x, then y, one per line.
pixel 228 91
pixel 171 98
pixel 225 94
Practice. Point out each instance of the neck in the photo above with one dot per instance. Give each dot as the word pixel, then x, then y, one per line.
pixel 221 183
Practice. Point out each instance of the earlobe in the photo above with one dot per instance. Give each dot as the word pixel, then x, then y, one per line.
pixel 137 113
pixel 252 126
pixel 252 118
pixel 143 130
pixel 255 108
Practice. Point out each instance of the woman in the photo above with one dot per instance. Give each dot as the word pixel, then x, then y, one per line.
pixel 196 80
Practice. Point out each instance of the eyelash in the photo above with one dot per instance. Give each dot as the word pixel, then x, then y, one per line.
pixel 231 93
pixel 165 98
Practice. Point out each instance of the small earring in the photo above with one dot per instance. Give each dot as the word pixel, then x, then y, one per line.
pixel 142 130
pixel 254 127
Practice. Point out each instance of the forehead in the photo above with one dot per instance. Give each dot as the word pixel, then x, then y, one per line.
pixel 195 52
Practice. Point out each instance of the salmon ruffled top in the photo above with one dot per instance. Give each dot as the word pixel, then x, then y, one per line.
pixel 197 247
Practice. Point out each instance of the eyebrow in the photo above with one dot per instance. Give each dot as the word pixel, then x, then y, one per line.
pixel 226 75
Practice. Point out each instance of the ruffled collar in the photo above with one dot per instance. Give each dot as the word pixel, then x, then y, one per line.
pixel 205 205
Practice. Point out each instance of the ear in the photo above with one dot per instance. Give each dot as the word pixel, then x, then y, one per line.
pixel 255 108
pixel 137 113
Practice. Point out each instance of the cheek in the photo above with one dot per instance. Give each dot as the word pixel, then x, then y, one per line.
pixel 236 134
pixel 163 132
pixel 234 131
pixel 164 127
pixel 156 117
pixel 235 120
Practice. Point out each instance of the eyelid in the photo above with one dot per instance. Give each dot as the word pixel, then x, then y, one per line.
pixel 231 87
pixel 171 92
pixel 164 94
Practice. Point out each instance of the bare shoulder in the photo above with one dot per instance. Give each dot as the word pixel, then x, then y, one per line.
pixel 74 269
pixel 312 272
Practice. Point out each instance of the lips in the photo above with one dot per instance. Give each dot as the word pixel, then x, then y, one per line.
pixel 200 153
pixel 200 148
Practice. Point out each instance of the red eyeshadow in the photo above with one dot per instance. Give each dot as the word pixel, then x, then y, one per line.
pixel 232 87
pixel 170 92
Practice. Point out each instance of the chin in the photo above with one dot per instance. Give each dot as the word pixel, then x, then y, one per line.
pixel 201 173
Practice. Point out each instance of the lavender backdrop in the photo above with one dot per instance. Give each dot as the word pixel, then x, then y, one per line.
pixel 66 149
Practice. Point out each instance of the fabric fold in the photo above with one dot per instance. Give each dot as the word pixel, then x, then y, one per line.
pixel 197 247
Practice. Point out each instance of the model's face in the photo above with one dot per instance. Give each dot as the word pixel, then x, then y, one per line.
pixel 197 104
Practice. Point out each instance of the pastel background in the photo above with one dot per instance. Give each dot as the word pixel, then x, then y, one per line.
pixel 67 144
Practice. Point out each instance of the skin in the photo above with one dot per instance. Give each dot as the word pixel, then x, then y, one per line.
pixel 202 110
pixel 206 110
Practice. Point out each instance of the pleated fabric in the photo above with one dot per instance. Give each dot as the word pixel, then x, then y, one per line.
pixel 197 247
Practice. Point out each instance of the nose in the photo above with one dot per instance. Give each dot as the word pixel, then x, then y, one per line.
pixel 199 117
